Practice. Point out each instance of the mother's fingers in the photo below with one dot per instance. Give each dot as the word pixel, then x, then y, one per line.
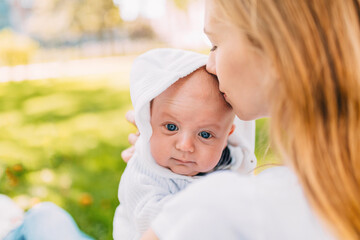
pixel 130 116
pixel 128 153
pixel 133 138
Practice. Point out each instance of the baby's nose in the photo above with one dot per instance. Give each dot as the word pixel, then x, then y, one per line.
pixel 185 143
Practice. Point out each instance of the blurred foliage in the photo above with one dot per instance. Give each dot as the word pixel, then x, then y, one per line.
pixel 140 30
pixel 15 48
pixel 61 141
pixel 264 151
pixel 66 20
pixel 94 16
pixel 182 4
pixel 69 20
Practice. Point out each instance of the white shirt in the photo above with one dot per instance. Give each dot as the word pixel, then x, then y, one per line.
pixel 230 206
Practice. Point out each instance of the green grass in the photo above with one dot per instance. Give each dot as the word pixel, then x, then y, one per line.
pixel 61 140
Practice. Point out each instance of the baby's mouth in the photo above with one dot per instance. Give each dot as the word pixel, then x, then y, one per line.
pixel 183 161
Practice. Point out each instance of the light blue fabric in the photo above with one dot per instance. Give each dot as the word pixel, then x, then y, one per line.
pixel 46 221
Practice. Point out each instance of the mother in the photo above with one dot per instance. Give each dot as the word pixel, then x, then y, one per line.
pixel 297 62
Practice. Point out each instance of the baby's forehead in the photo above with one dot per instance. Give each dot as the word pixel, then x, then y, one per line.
pixel 198 81
pixel 199 86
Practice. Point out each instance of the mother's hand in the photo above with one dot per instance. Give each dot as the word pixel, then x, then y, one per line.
pixel 149 235
pixel 129 152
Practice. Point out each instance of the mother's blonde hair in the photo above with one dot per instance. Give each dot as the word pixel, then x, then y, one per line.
pixel 314 46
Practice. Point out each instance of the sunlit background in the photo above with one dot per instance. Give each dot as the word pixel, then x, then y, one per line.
pixel 64 78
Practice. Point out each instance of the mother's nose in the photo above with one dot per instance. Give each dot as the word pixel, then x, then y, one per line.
pixel 210 65
pixel 185 143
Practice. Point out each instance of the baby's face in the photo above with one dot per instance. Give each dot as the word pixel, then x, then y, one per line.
pixel 191 123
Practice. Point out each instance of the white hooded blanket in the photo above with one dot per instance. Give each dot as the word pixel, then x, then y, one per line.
pixel 145 186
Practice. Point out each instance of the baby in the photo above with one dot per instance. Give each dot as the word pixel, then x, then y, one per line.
pixel 184 125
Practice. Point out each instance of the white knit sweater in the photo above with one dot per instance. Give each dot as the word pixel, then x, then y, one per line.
pixel 142 193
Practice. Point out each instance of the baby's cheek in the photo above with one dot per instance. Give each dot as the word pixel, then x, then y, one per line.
pixel 214 157
pixel 158 151
pixel 154 148
pixel 154 154
pixel 210 161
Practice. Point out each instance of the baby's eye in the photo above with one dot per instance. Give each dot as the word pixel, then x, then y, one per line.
pixel 205 135
pixel 171 127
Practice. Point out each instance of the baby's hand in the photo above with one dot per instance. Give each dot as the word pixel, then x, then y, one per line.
pixel 129 152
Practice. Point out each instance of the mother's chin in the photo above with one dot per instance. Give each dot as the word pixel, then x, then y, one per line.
pixel 246 113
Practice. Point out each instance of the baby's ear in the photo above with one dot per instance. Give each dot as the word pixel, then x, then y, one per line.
pixel 232 129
